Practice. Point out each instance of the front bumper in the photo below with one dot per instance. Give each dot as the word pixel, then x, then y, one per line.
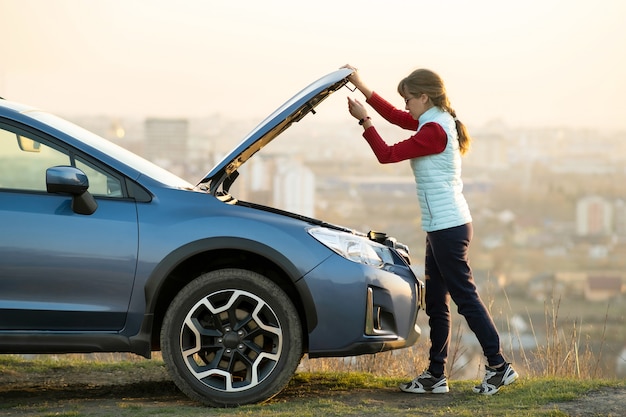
pixel 361 309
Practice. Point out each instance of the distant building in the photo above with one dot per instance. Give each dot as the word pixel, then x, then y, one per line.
pixel 167 142
pixel 280 182
pixel 294 188
pixel 602 288
pixel 489 152
pixel 620 217
pixel 594 217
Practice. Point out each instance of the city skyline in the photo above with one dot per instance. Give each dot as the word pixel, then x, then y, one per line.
pixel 537 63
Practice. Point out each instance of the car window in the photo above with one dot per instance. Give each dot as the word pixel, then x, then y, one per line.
pixel 24 161
pixel 100 183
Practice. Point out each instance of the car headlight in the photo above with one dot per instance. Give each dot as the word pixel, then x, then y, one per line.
pixel 355 248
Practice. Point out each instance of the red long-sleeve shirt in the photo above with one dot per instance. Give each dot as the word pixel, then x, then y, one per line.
pixel 431 139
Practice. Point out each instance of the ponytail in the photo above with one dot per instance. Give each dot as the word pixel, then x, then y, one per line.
pixel 465 139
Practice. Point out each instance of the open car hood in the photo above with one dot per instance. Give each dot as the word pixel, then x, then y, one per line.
pixel 294 109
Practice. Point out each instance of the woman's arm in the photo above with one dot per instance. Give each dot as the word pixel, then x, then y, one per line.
pixel 390 113
pixel 430 140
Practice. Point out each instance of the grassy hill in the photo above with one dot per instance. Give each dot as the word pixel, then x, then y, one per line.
pixel 76 385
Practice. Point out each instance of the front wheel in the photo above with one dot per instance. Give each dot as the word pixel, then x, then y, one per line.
pixel 231 337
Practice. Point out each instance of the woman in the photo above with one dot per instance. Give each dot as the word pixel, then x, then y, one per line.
pixel 434 151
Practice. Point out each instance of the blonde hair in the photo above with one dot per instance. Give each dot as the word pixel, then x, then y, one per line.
pixel 424 81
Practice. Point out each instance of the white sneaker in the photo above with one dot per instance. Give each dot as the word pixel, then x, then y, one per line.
pixel 426 383
pixel 495 379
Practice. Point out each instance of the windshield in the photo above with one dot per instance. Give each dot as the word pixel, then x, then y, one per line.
pixel 123 155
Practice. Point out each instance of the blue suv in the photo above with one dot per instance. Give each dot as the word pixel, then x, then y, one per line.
pixel 103 251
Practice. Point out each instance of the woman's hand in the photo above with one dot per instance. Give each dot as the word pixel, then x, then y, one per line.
pixel 356 109
pixel 355 79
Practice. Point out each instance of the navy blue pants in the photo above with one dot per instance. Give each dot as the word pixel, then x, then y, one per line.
pixel 448 275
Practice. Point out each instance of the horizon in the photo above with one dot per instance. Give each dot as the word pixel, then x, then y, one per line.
pixel 551 63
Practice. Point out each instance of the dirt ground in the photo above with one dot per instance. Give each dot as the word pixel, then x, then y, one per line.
pixel 62 389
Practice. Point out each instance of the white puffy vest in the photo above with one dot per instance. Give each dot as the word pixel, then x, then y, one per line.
pixel 438 179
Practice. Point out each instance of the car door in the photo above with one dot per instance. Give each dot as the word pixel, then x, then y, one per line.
pixel 59 270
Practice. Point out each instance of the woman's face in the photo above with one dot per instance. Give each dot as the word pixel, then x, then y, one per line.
pixel 417 105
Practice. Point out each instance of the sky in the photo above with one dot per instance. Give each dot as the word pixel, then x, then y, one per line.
pixel 534 63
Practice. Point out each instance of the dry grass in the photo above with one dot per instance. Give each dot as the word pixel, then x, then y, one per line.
pixel 560 349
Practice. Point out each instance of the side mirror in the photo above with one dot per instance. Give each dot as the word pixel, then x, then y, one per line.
pixel 72 181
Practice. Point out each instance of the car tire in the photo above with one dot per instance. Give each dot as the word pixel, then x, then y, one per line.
pixel 231 337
